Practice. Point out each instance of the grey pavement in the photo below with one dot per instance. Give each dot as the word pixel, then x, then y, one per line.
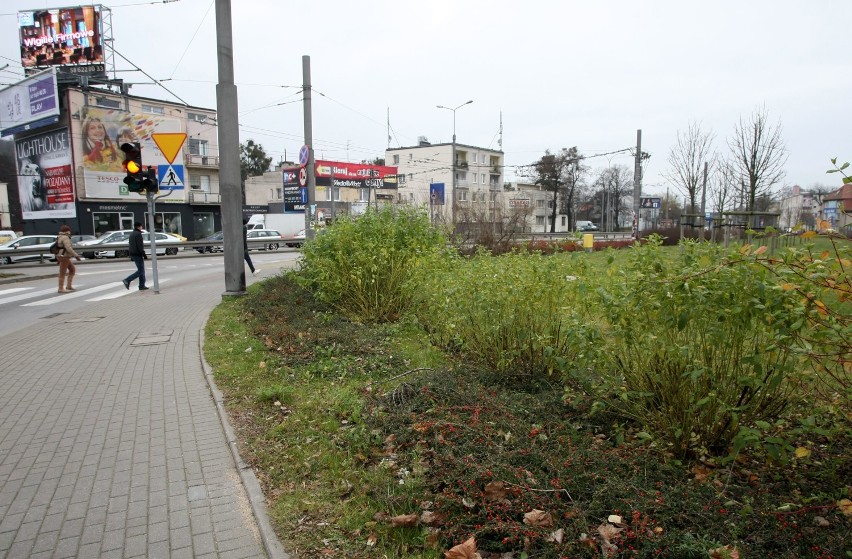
pixel 113 441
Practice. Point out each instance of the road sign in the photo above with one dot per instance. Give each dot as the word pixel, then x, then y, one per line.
pixel 304 155
pixel 170 177
pixel 169 143
pixel 654 203
pixel 303 176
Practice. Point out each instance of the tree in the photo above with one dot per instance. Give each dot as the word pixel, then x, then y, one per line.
pixel 686 162
pixel 612 185
pixel 253 161
pixel 758 156
pixel 574 172
pixel 559 173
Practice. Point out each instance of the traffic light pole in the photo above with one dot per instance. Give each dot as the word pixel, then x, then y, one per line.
pixel 152 234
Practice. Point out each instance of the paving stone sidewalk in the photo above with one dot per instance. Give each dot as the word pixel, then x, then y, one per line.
pixel 111 444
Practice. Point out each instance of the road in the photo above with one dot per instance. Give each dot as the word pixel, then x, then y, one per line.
pixel 25 303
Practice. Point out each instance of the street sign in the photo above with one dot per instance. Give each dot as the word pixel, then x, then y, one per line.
pixel 303 176
pixel 170 176
pixel 304 155
pixel 169 143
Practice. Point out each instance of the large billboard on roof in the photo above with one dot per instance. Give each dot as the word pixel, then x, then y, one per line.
pixel 66 37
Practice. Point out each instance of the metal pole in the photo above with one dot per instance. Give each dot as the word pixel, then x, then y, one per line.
pixel 704 201
pixel 229 154
pixel 152 207
pixel 333 204
pixel 637 183
pixel 309 141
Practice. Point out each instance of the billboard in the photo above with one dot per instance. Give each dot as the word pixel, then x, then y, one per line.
pixel 31 103
pixel 101 134
pixel 61 37
pixel 654 203
pixel 45 185
pixel 295 196
pixel 356 175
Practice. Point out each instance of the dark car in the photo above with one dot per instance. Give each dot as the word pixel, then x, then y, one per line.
pixel 218 236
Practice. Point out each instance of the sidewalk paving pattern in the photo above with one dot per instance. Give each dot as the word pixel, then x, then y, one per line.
pixel 110 440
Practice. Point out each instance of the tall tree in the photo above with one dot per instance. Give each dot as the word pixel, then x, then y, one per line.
pixel 253 160
pixel 574 173
pixel 613 185
pixel 758 156
pixel 686 162
pixel 558 173
pixel 722 186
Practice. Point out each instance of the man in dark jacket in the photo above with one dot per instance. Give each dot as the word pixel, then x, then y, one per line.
pixel 137 254
pixel 246 255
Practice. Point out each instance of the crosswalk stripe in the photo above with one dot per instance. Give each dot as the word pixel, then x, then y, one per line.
pixel 28 295
pixel 121 293
pixel 73 295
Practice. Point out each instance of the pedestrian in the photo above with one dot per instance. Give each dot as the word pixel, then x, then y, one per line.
pixel 245 248
pixel 67 269
pixel 137 254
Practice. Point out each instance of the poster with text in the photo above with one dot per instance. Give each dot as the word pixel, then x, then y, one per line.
pixel 102 133
pixel 45 185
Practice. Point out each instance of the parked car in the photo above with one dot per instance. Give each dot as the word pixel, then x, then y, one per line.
pixel 77 239
pixel 586 226
pixel 296 240
pixel 90 249
pixel 218 236
pixel 7 235
pixel 270 237
pixel 27 242
pixel 163 248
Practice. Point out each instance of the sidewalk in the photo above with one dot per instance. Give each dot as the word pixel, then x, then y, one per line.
pixel 112 442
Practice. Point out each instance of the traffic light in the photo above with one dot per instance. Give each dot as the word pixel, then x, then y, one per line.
pixel 133 166
pixel 149 181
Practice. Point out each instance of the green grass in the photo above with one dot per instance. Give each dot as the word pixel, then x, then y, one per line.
pixel 349 425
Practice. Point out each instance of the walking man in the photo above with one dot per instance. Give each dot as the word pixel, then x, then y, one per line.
pixel 137 254
pixel 245 248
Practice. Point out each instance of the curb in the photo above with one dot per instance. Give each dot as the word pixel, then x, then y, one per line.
pixel 257 501
pixel 24 277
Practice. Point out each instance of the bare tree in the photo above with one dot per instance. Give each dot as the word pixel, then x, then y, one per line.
pixel 574 171
pixel 722 185
pixel 559 174
pixel 613 184
pixel 686 162
pixel 758 156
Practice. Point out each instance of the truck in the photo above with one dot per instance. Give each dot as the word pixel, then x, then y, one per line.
pixel 288 224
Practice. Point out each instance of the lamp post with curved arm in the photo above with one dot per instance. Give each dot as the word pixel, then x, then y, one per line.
pixel 453 155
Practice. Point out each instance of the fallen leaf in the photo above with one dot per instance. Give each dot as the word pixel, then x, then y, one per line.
pixel 468 502
pixel 845 506
pixel 403 520
pixel 614 519
pixel 658 530
pixel 701 472
pixel 556 536
pixel 727 552
pixel 466 550
pixel 372 539
pixel 538 518
pixel 429 518
pixel 608 532
pixel 495 491
pixel 421 427
pixel 821 522
pixel 802 452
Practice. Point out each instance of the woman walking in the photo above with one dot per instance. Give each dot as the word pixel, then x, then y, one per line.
pixel 64 256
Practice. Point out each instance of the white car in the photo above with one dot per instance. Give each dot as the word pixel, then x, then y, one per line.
pixel 163 248
pixel 90 248
pixel 296 240
pixel 270 237
pixel 27 242
pixel 7 235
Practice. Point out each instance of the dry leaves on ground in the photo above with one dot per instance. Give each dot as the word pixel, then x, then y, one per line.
pixel 466 550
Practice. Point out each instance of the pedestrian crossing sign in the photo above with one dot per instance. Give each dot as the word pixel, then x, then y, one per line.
pixel 170 177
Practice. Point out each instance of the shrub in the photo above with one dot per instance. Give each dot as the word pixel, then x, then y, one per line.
pixel 693 352
pixel 368 267
pixel 523 315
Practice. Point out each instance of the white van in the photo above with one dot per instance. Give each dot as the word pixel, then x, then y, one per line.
pixel 586 226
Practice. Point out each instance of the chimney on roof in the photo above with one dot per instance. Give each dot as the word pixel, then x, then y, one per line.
pixel 423 141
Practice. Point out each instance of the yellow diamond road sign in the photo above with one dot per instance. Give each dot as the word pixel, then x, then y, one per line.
pixel 169 143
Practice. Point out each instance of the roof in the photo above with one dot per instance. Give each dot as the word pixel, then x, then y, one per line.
pixel 842 193
pixel 458 146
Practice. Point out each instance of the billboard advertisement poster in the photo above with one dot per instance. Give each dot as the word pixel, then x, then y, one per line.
pixel 292 193
pixel 436 193
pixel 45 185
pixel 102 133
pixel 31 103
pixel 69 36
pixel 356 175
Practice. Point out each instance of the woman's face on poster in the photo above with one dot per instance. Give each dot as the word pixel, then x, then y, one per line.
pixel 96 131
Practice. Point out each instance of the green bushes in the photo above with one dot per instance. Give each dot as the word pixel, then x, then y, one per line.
pixel 368 267
pixel 523 315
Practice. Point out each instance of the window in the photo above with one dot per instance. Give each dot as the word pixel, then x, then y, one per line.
pixel 461 178
pixel 104 102
pixel 493 196
pixel 410 156
pixel 462 195
pixel 197 117
pixel 539 203
pixel 539 220
pixel 482 178
pixel 563 221
pixel 364 195
pixel 396 159
pixel 198 147
pixel 474 178
pixel 278 193
pixel 410 197
pixel 153 109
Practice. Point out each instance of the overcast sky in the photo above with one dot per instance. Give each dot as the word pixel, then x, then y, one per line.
pixel 562 73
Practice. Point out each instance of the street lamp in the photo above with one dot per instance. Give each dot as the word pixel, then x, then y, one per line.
pixel 454 114
pixel 453 156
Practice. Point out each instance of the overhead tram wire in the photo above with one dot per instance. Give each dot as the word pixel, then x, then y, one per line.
pixel 176 96
pixel 197 29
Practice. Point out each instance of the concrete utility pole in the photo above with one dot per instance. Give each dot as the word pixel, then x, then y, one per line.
pixel 229 154
pixel 637 183
pixel 309 141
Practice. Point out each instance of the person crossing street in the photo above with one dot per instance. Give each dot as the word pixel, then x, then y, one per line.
pixel 136 249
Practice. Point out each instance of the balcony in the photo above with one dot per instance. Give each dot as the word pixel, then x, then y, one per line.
pixel 194 160
pixel 201 197
pixel 461 164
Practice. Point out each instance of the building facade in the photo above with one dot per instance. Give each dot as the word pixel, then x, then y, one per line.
pixel 71 172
